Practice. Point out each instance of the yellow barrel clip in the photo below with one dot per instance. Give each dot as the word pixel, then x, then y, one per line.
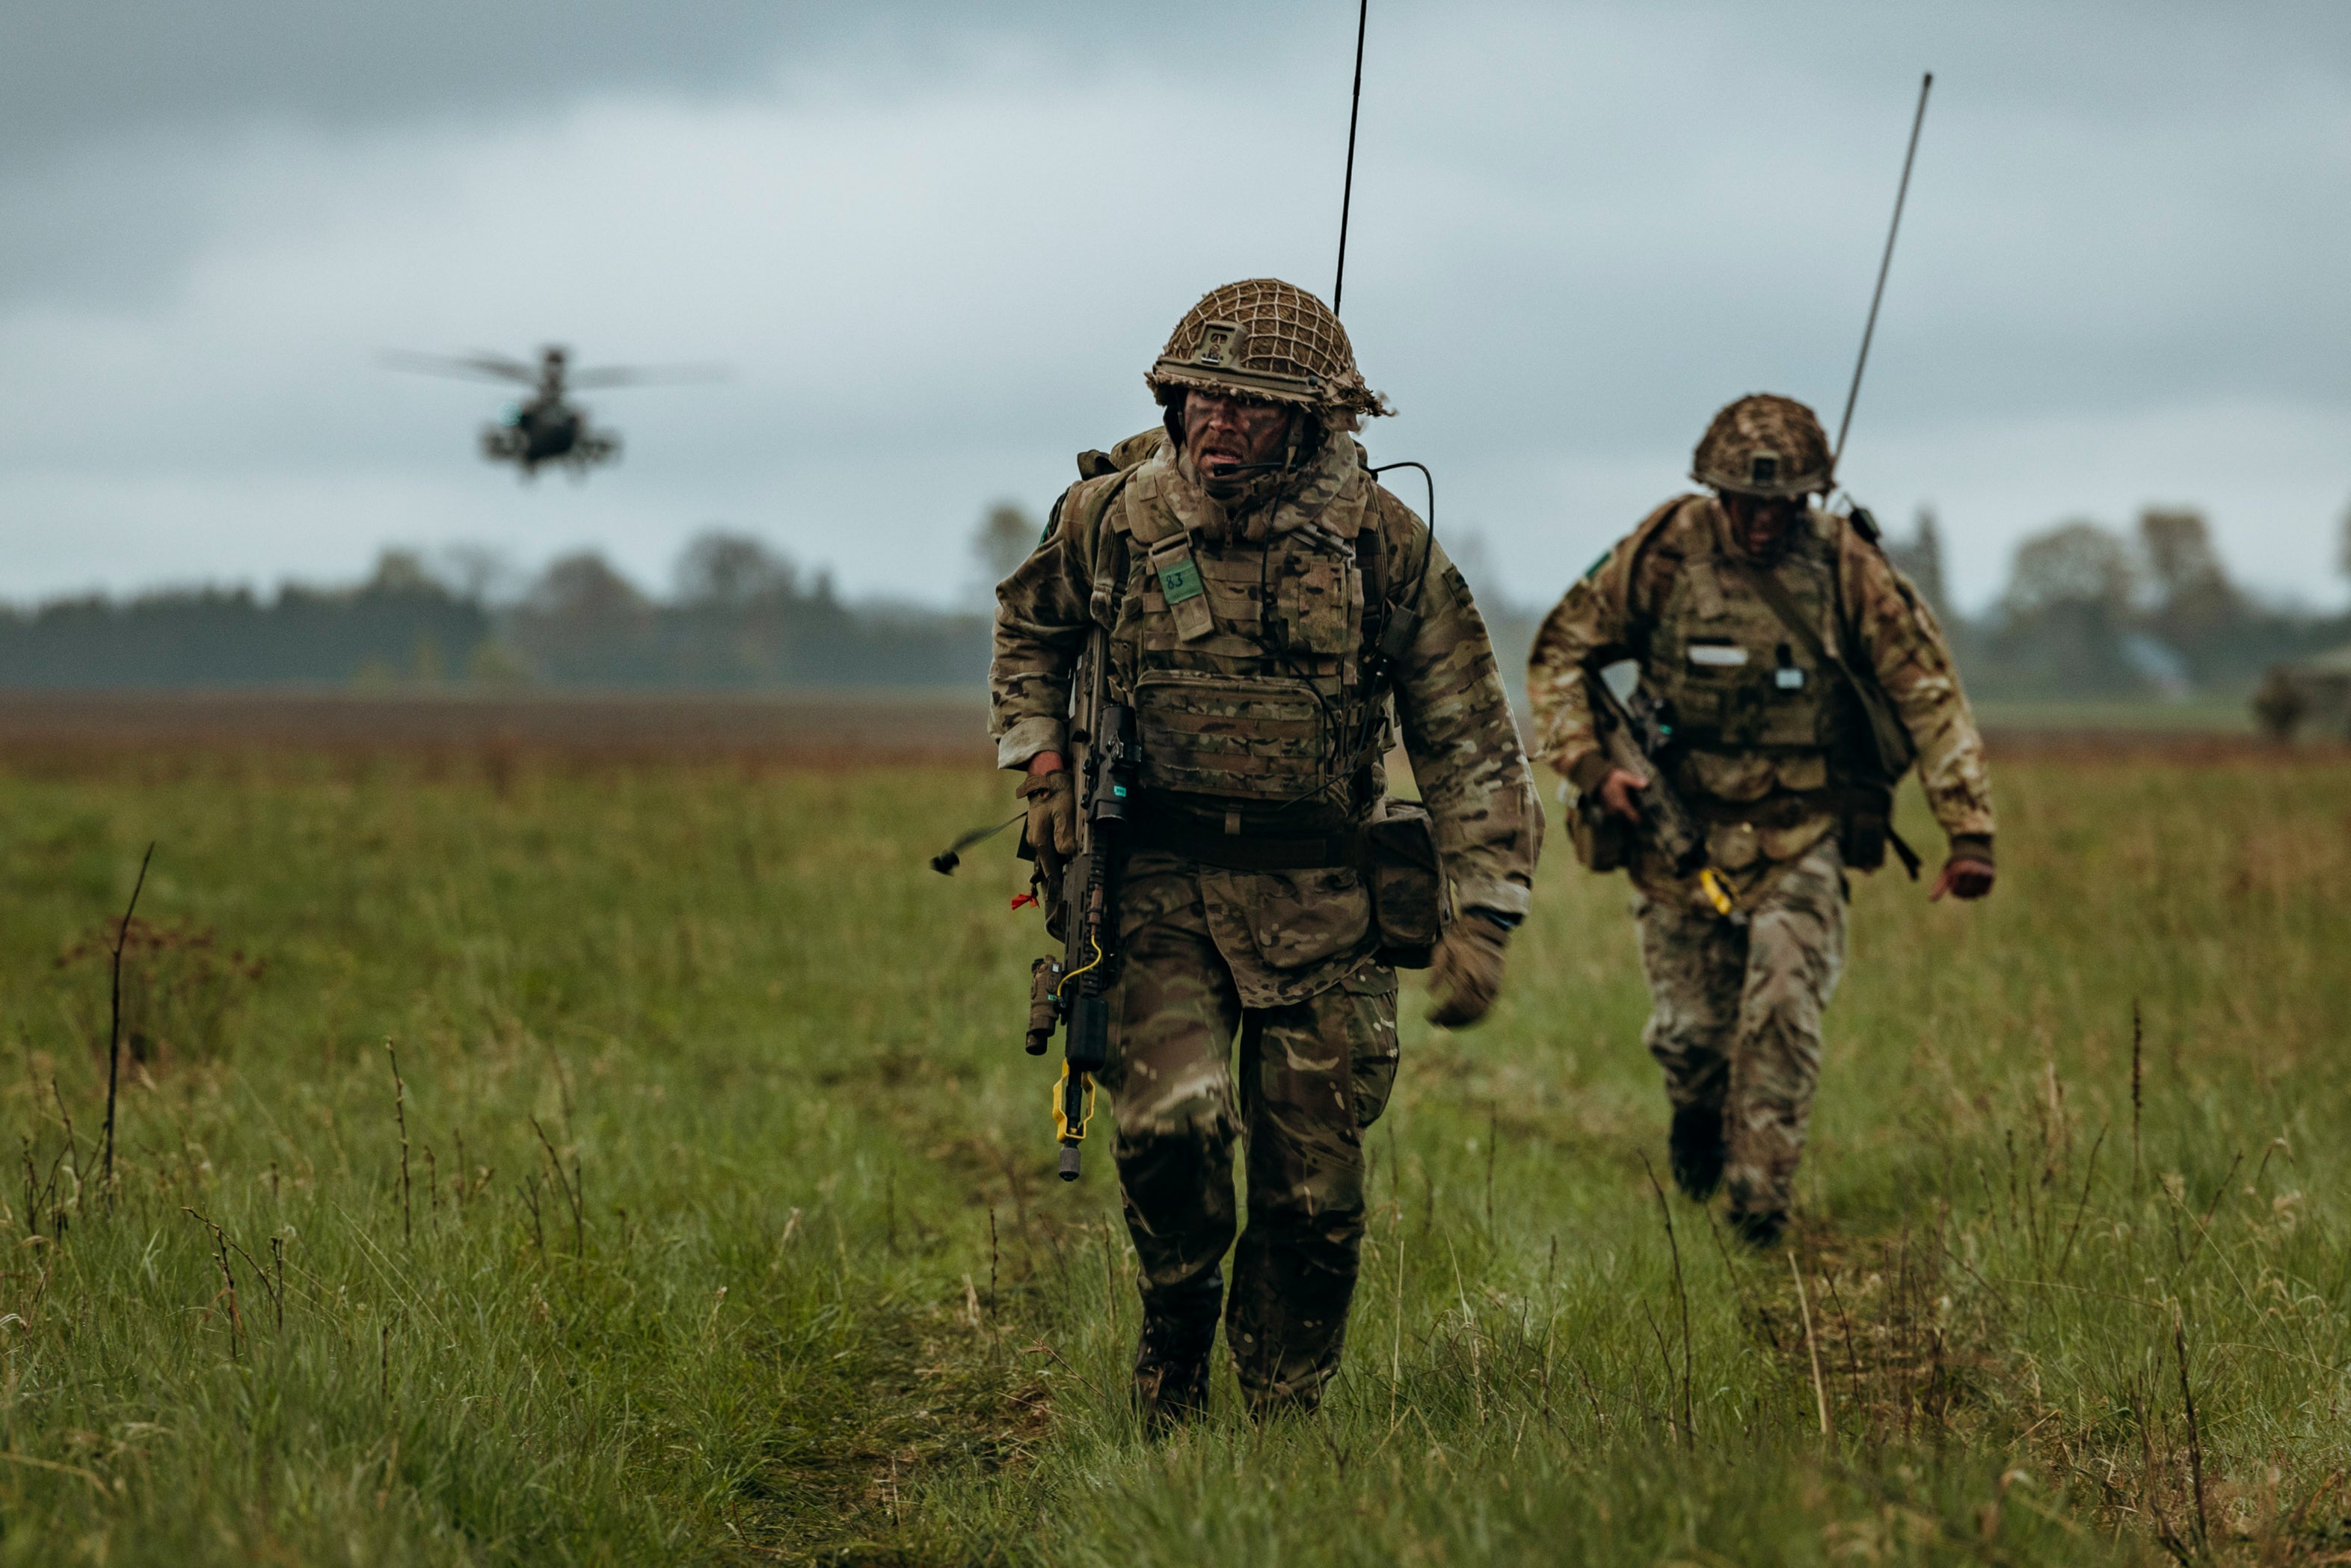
pixel 1716 891
pixel 1062 1128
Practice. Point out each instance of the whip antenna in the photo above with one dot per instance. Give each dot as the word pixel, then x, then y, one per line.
pixel 1885 262
pixel 1347 192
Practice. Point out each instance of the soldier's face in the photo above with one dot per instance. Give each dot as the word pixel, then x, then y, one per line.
pixel 1761 523
pixel 1221 433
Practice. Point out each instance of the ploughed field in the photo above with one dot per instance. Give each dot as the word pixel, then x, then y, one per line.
pixel 711 1218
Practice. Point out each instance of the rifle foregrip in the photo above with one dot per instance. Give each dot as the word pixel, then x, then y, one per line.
pixel 1088 1045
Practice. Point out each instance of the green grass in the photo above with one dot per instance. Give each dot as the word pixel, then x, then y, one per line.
pixel 752 1251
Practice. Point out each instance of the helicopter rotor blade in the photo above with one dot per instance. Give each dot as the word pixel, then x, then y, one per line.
pixel 481 367
pixel 648 375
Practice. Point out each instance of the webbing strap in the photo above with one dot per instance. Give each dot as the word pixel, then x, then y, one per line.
pixel 1887 737
pixel 1231 851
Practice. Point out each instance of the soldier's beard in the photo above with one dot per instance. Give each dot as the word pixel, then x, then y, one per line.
pixel 1249 492
pixel 1227 472
pixel 1762 527
pixel 1224 474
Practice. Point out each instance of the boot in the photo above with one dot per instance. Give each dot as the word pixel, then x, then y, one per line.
pixel 1695 1149
pixel 1760 1229
pixel 1171 1363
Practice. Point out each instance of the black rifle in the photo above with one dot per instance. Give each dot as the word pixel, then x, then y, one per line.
pixel 1072 992
pixel 1637 733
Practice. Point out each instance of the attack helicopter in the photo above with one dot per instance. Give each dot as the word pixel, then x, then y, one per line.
pixel 545 427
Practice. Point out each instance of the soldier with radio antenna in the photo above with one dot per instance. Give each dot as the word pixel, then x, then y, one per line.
pixel 1198 674
pixel 1789 678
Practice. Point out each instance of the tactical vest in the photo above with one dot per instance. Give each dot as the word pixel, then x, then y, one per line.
pixel 1753 711
pixel 1245 664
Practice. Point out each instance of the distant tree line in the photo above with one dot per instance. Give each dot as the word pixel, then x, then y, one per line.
pixel 741 615
pixel 2089 611
pixel 2092 611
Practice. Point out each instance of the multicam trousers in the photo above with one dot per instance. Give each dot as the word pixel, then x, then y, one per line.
pixel 1735 1014
pixel 1312 1076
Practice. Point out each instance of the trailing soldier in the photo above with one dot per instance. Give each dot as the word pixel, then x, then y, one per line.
pixel 1797 676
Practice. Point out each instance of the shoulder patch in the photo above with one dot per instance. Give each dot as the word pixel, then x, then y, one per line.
pixel 1597 563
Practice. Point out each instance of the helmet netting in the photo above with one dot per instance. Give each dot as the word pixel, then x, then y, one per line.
pixel 1784 433
pixel 1284 332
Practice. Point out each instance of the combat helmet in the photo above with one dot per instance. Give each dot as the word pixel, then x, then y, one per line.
pixel 1764 445
pixel 1265 339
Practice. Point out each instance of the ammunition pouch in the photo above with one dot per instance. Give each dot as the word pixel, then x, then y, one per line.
pixel 1866 830
pixel 1395 852
pixel 1863 812
pixel 1406 882
pixel 1866 824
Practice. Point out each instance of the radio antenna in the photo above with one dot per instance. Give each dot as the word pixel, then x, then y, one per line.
pixel 1885 262
pixel 1347 192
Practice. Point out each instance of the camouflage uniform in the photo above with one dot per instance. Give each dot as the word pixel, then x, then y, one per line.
pixel 1242 710
pixel 1765 758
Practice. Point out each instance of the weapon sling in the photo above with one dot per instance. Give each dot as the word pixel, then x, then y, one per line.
pixel 1889 741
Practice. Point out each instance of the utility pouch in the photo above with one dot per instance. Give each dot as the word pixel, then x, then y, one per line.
pixel 1408 887
pixel 1861 839
pixel 1602 843
pixel 1180 585
pixel 1868 833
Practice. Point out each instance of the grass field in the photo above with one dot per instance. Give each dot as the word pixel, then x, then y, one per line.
pixel 710 1218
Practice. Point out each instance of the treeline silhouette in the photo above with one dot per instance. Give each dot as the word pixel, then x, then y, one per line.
pixel 2093 612
pixel 742 616
pixel 2089 613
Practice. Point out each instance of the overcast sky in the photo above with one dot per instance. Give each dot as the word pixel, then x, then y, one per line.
pixel 940 243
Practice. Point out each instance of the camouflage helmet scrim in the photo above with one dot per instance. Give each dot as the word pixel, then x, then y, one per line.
pixel 1262 338
pixel 1764 445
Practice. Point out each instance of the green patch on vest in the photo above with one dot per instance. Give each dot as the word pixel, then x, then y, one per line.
pixel 1597 563
pixel 1180 580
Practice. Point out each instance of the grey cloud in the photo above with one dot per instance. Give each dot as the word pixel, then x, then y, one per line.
pixel 99 70
pixel 941 240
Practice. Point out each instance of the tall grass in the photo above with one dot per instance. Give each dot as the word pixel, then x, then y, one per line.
pixel 726 1232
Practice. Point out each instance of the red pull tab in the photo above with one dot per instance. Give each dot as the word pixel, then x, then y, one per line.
pixel 1024 900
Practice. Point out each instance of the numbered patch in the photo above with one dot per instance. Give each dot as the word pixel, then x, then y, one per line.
pixel 1180 580
pixel 1180 586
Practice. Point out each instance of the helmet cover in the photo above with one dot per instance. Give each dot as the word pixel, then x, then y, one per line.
pixel 1764 445
pixel 1267 340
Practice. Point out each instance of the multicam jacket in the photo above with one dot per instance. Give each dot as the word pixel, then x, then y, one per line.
pixel 1244 646
pixel 1762 729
